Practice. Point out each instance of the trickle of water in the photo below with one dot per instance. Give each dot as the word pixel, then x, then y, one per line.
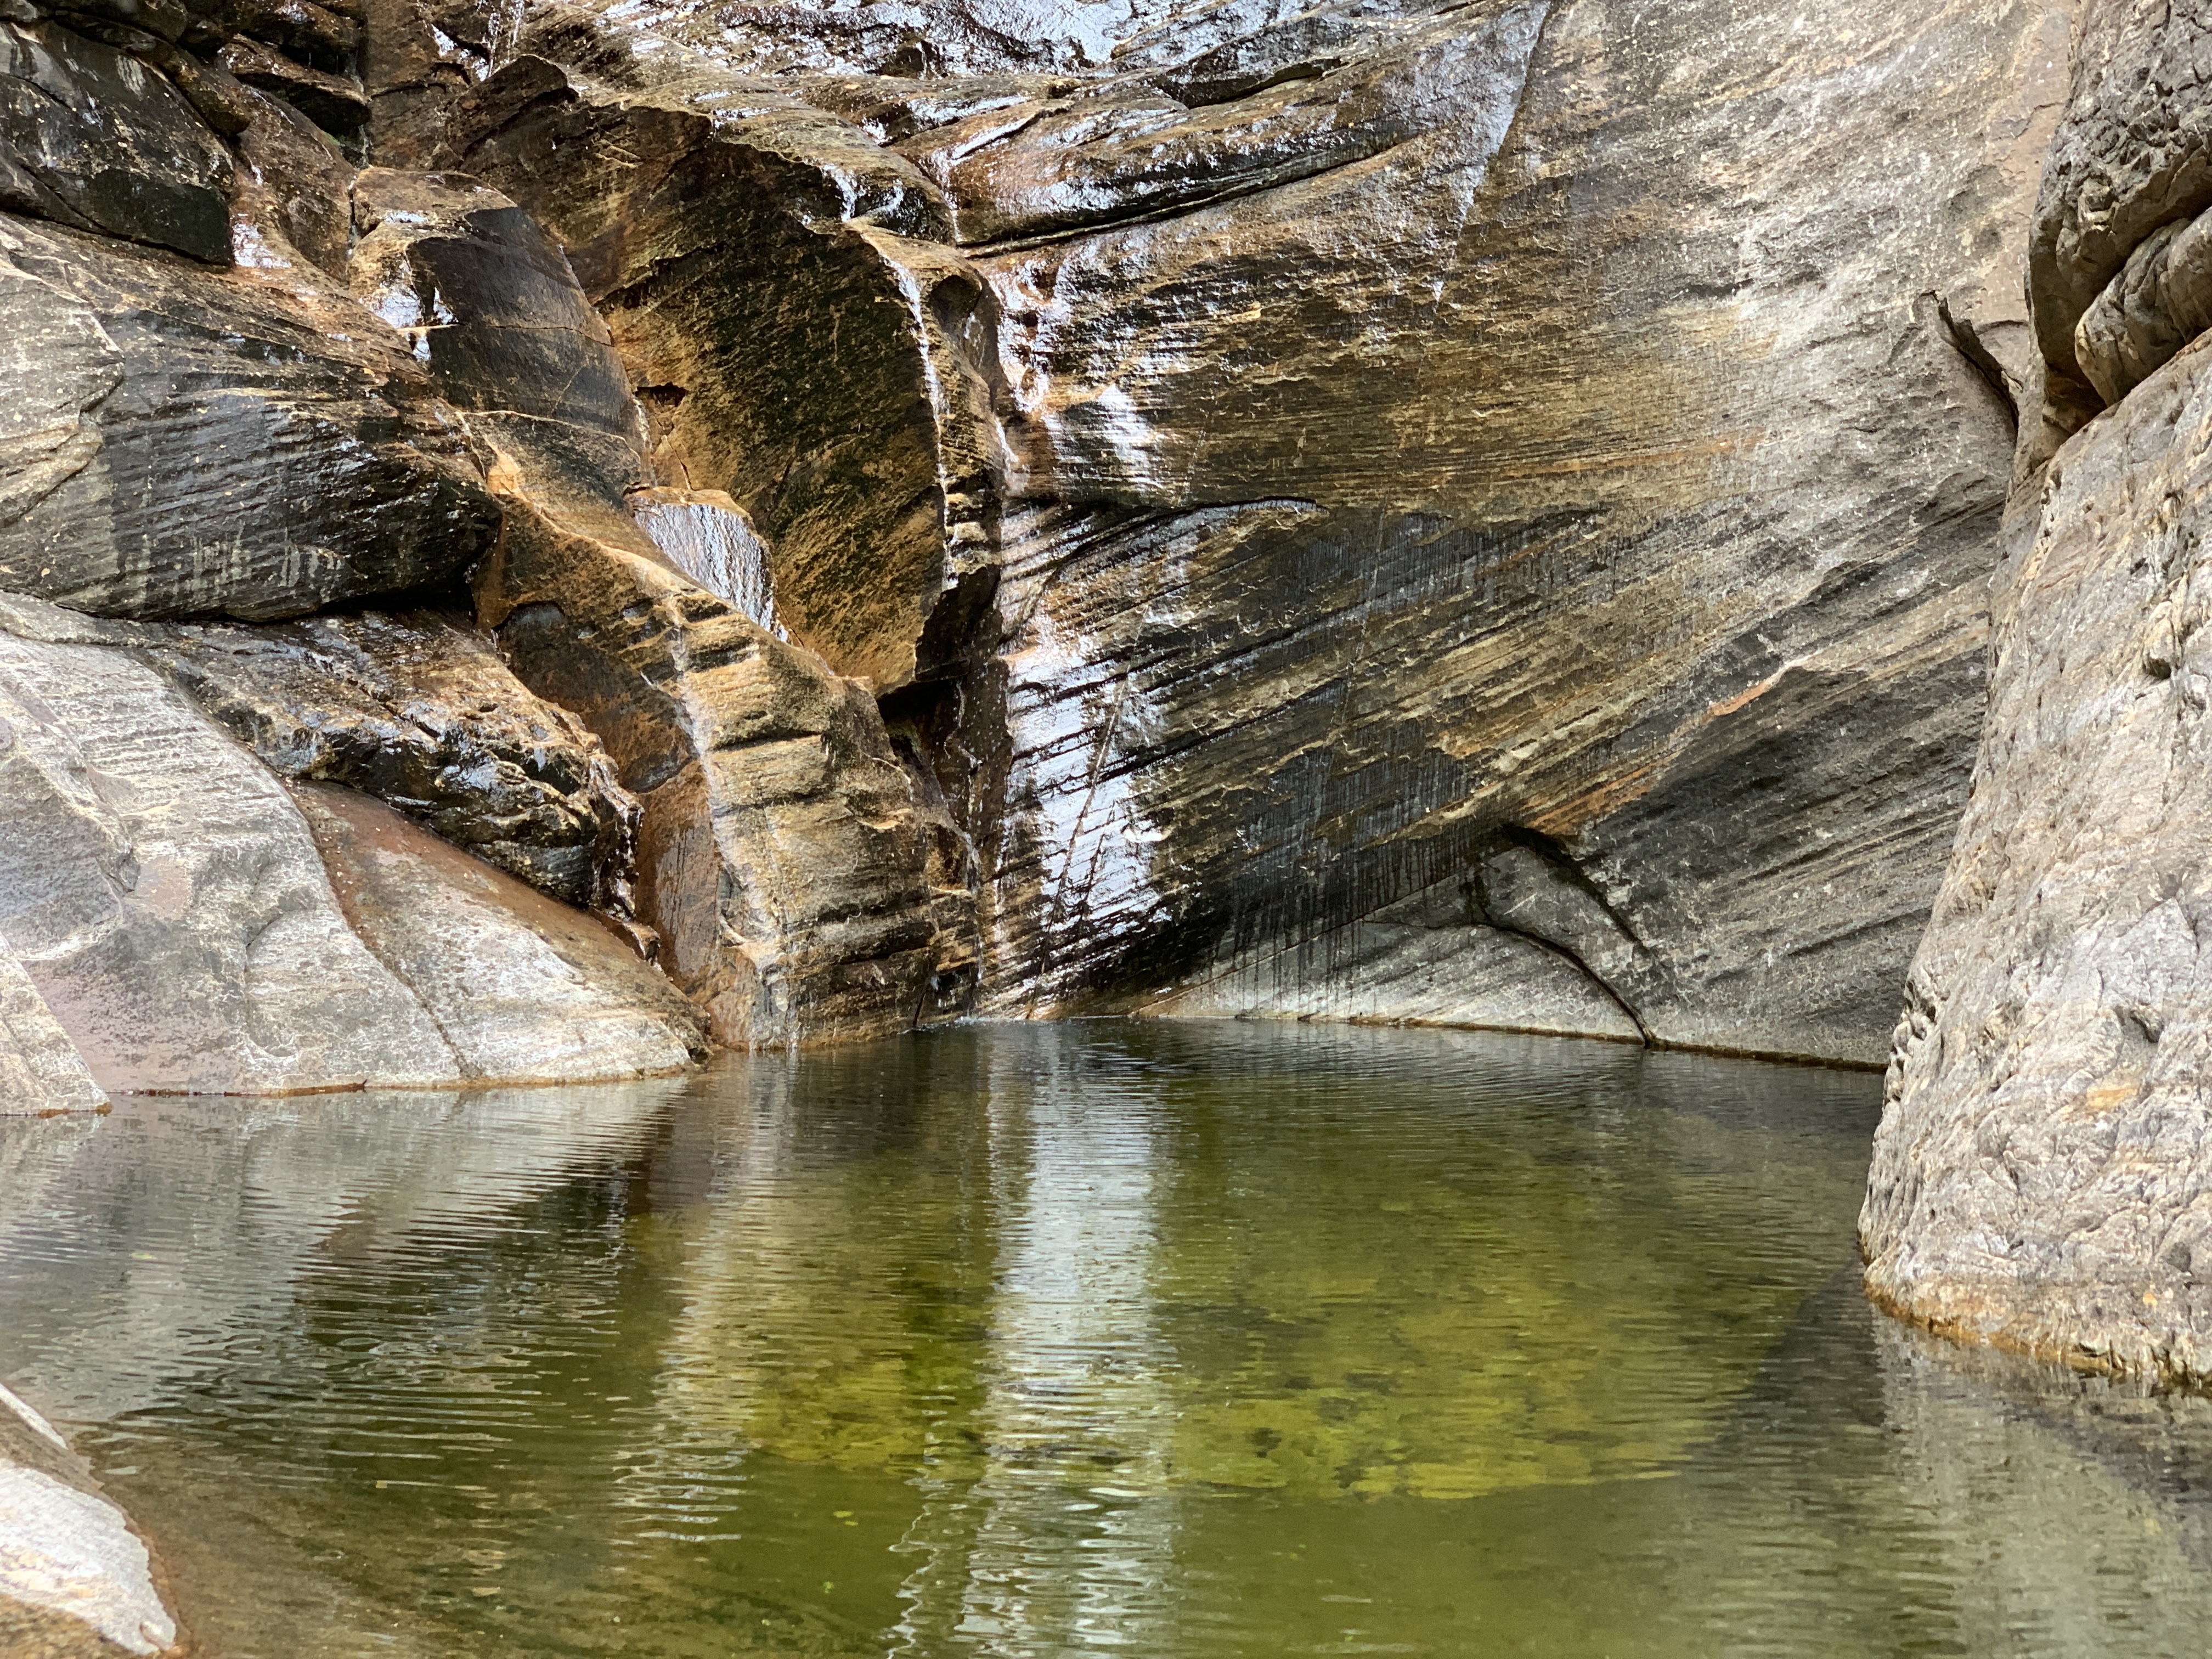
pixel 707 536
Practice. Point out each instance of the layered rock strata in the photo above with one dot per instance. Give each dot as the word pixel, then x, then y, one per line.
pixel 2040 1178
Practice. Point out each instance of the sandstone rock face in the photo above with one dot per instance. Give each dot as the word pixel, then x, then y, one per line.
pixel 1330 548
pixel 423 715
pixel 2039 1178
pixel 780 288
pixel 178 442
pixel 1433 494
pixel 799 888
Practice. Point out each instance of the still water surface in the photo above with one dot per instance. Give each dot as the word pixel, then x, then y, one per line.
pixel 1165 1340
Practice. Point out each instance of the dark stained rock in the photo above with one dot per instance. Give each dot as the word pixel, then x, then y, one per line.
pixel 92 138
pixel 424 716
pixel 780 291
pixel 294 205
pixel 523 989
pixel 177 442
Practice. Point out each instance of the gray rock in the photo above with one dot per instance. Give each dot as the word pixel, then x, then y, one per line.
pixel 175 442
pixel 92 138
pixel 2160 301
pixel 422 713
pixel 2040 1179
pixel 40 1071
pixel 75 1582
pixel 2133 152
pixel 165 896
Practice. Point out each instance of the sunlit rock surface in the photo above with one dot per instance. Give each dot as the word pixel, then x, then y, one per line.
pixel 523 989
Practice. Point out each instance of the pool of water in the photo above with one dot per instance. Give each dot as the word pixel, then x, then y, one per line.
pixel 1168 1340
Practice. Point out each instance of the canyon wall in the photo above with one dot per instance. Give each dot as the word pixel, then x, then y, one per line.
pixel 532 540
pixel 2039 1179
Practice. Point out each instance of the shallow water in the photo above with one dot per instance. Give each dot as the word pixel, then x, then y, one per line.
pixel 1174 1339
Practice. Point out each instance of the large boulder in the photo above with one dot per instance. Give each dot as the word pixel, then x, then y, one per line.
pixel 2039 1178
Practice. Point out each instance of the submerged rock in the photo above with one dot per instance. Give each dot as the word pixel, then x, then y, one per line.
pixel 75 1582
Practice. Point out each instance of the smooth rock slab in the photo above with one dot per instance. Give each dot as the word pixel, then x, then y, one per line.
pixel 166 898
pixel 523 989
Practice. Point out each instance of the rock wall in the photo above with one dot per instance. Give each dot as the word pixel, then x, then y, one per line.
pixel 2039 1179
pixel 1474 514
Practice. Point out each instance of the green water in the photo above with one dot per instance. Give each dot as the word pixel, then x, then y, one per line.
pixel 1165 1339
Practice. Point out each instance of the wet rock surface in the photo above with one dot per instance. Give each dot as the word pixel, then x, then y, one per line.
pixel 182 442
pixel 422 712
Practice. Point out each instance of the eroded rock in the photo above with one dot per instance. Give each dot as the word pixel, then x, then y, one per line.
pixel 40 1071
pixel 181 443
pixel 2039 1179
pixel 780 289
pixel 523 989
pixel 165 899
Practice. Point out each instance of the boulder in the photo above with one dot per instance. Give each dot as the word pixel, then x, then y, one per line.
pixel 180 442
pixel 165 899
pixel 2040 1178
